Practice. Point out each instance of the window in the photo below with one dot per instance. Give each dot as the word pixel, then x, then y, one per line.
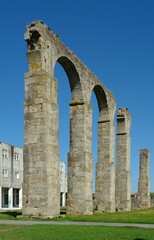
pixel 5 173
pixel 16 156
pixel 16 175
pixel 16 197
pixel 5 153
pixel 5 197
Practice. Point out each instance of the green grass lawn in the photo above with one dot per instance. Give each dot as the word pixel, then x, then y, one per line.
pixel 137 216
pixel 45 232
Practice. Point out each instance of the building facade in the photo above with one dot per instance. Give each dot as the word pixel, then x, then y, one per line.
pixel 63 184
pixel 11 176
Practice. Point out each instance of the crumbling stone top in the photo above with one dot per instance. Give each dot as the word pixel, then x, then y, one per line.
pixel 144 153
pixel 122 111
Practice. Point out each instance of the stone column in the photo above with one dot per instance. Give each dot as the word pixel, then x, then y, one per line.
pixel 105 172
pixel 144 179
pixel 41 184
pixel 79 197
pixel 123 182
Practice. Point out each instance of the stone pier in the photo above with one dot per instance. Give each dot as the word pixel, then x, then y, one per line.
pixel 105 171
pixel 79 197
pixel 123 182
pixel 41 188
pixel 144 179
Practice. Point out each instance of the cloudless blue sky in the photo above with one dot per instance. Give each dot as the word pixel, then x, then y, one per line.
pixel 115 39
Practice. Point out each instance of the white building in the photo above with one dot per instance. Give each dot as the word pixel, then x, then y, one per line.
pixel 11 178
pixel 63 184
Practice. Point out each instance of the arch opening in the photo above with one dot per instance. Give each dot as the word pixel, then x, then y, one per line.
pixel 99 109
pixel 73 77
pixel 69 90
pixel 95 117
pixel 101 100
pixel 104 168
pixel 64 97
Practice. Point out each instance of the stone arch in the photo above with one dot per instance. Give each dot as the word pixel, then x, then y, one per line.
pixel 79 156
pixel 73 77
pixel 101 100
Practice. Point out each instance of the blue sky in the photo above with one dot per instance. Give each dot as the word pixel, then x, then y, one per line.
pixel 115 39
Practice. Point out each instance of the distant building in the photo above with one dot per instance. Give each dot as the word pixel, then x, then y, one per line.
pixel 63 184
pixel 11 178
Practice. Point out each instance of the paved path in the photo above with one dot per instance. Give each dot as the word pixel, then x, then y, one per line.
pixel 22 222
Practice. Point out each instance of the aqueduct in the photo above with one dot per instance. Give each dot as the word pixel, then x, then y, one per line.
pixel 41 190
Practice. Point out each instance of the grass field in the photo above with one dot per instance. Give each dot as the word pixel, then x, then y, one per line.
pixel 137 216
pixel 45 232
pixel 140 216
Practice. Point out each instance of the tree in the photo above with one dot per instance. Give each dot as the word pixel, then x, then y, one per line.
pixel 152 195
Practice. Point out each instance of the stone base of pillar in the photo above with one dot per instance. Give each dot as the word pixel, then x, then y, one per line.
pixel 38 217
pixel 105 188
pixel 144 204
pixel 75 210
pixel 139 203
pixel 123 190
pixel 45 205
pixel 105 206
pixel 45 212
pixel 124 206
pixel 79 196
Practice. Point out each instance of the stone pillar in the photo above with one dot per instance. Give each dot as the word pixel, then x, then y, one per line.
pixel 105 172
pixel 144 179
pixel 79 197
pixel 123 182
pixel 41 184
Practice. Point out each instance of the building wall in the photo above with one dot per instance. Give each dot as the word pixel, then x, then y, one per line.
pixel 63 184
pixel 11 176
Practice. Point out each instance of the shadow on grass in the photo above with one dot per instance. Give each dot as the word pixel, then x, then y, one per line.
pixel 12 214
pixel 139 239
